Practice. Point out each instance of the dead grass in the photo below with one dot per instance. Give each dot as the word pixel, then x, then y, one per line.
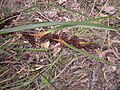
pixel 58 68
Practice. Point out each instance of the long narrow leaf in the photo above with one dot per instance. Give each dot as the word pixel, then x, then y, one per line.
pixel 98 26
pixel 9 54
pixel 83 24
pixel 67 9
pixel 90 55
pixel 3 40
pixel 31 49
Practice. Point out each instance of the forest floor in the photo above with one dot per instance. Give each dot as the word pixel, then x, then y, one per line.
pixel 25 66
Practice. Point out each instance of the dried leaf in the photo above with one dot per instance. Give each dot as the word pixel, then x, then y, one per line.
pixel 56 50
pixel 41 34
pixel 103 15
pixel 60 41
pixel 61 1
pixel 109 10
pixel 37 67
pixel 45 45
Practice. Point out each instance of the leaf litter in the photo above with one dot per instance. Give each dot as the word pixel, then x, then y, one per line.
pixel 83 72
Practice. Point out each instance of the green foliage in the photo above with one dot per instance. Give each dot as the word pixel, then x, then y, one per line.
pixel 82 24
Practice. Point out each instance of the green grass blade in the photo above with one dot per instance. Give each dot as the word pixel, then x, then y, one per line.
pixel 27 27
pixel 97 26
pixel 9 54
pixel 87 25
pixel 97 19
pixel 49 81
pixel 90 55
pixel 57 28
pixel 21 83
pixel 5 20
pixel 67 9
pixel 3 40
pixel 83 24
pixel 31 49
